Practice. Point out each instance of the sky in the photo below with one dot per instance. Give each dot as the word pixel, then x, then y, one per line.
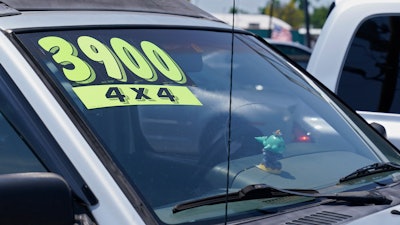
pixel 250 6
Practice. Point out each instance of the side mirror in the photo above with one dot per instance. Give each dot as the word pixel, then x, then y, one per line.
pixel 378 127
pixel 35 198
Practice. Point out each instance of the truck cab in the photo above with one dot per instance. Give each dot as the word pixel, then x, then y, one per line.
pixel 357 57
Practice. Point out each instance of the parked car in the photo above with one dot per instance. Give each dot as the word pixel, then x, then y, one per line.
pixel 155 112
pixel 357 57
pixel 294 50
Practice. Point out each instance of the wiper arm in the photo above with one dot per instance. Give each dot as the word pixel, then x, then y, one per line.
pixel 260 191
pixel 250 192
pixel 371 169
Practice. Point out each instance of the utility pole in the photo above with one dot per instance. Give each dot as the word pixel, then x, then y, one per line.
pixel 307 21
pixel 271 13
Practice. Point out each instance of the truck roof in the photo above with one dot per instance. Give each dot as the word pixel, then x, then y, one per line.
pixel 175 7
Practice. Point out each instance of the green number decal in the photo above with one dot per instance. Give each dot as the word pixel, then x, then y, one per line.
pixel 98 52
pixel 163 62
pixel 133 59
pixel 115 93
pixel 122 53
pixel 65 54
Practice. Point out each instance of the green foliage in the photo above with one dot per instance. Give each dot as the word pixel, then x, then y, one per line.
pixel 293 13
pixel 236 11
pixel 318 18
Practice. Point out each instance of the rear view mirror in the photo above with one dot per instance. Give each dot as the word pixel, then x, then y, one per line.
pixel 35 198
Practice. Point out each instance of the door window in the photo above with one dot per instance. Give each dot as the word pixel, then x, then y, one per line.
pixel 370 77
pixel 15 155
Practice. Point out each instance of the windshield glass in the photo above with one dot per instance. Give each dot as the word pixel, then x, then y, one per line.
pixel 184 116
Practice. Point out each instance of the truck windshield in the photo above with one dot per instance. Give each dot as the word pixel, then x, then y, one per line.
pixel 185 116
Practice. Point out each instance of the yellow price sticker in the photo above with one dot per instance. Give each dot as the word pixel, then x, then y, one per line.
pixel 111 95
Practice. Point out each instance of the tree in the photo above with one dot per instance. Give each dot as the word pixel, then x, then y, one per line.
pixel 290 13
pixel 237 10
pixel 318 17
pixel 293 13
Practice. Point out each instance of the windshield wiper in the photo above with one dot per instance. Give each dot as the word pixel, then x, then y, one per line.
pixel 371 169
pixel 250 192
pixel 260 191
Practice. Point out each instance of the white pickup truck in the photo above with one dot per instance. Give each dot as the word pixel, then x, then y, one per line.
pixel 357 57
pixel 150 112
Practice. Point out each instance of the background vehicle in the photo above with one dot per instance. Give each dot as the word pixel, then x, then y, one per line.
pixel 296 51
pixel 154 112
pixel 357 57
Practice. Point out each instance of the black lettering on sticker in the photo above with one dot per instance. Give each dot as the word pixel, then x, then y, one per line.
pixel 140 93
pixel 165 93
pixel 114 92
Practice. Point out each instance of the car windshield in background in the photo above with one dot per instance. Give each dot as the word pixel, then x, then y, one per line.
pixel 177 109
